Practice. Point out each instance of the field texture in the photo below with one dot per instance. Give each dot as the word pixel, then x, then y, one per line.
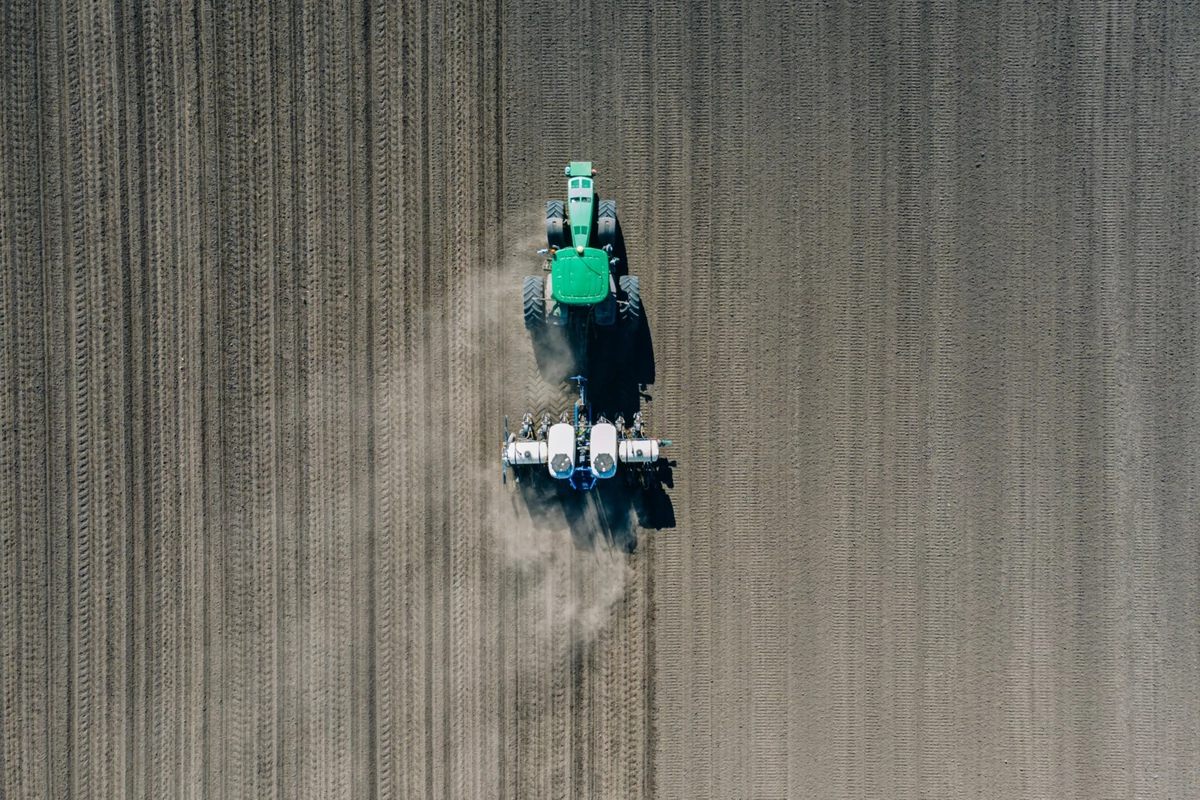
pixel 922 287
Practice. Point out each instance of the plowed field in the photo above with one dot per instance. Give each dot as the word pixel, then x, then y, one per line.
pixel 921 287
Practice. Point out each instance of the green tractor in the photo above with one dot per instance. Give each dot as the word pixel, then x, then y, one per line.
pixel 581 288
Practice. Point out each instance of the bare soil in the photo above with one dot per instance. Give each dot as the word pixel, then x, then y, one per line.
pixel 921 294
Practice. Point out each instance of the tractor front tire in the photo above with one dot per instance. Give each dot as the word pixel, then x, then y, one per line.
pixel 555 232
pixel 535 303
pixel 631 311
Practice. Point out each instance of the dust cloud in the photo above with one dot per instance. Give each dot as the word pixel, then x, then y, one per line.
pixel 567 566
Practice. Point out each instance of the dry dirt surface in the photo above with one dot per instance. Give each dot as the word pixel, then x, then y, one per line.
pixel 922 294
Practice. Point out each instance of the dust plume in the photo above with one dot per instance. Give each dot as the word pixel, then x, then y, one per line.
pixel 566 562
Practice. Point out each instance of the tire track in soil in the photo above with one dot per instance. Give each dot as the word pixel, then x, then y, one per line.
pixel 471 146
pixel 12 709
pixel 252 448
pixel 360 589
pixel 807 223
pixel 232 771
pixel 438 488
pixel 56 244
pixel 285 138
pixel 155 664
pixel 263 434
pixel 404 374
pixel 1074 342
pixel 212 600
pixel 398 761
pixel 1147 295
pixel 97 425
pixel 24 702
pixel 513 604
pixel 421 540
pixel 981 386
pixel 189 425
pixel 313 550
pixel 327 761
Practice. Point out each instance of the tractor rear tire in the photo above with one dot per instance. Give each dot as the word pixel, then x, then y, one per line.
pixel 555 233
pixel 631 311
pixel 606 223
pixel 535 303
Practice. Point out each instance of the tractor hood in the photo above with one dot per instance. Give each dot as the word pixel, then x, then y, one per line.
pixel 580 279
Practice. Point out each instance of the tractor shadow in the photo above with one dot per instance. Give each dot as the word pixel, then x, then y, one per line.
pixel 612 513
pixel 619 361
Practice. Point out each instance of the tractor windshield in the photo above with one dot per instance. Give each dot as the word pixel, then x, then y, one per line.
pixel 580 196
